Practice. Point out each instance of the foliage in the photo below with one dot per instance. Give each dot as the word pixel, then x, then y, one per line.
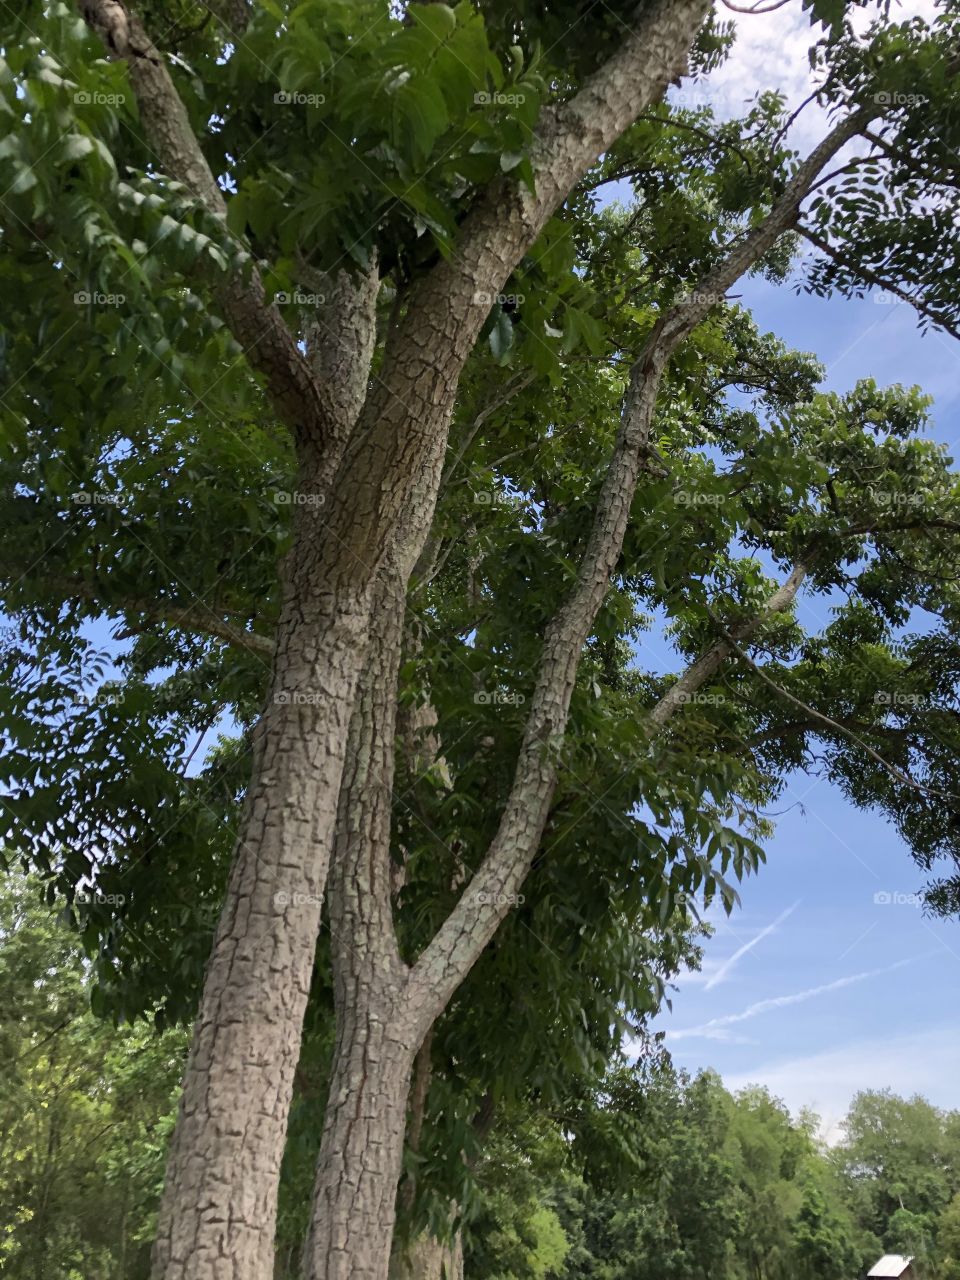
pixel 85 1111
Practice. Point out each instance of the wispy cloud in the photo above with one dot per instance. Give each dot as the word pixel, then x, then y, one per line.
pixel 729 965
pixel 714 1029
pixel 922 1062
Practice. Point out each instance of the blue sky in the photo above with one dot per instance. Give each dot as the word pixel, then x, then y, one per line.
pixel 830 978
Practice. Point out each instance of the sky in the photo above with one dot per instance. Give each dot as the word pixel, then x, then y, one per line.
pixel 829 978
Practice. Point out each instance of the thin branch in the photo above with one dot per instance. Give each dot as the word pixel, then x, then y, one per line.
pixel 709 663
pixel 269 346
pixel 460 940
pixel 794 727
pixel 836 726
pixel 196 617
pixel 918 303
pixel 703 134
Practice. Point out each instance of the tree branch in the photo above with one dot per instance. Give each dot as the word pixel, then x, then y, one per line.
pixel 193 617
pixel 703 670
pixel 403 428
pixel 460 940
pixel 837 726
pixel 919 304
pixel 269 346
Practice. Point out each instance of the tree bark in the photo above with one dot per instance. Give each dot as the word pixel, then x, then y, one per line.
pixel 361 1150
pixel 218 1211
pixel 429 1259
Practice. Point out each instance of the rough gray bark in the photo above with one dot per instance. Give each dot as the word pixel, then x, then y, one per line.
pixel 362 1144
pixel 429 1259
pixel 218 1211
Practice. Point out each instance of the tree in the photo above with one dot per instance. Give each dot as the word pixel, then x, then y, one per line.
pixel 275 330
pixel 85 1110
pixel 902 1154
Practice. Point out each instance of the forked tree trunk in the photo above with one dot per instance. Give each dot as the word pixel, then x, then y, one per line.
pixel 218 1212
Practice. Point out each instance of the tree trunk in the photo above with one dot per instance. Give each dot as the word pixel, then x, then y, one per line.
pixel 218 1212
pixel 361 1149
pixel 430 1259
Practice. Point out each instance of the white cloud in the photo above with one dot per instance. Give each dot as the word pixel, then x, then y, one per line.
pixel 925 1063
pixel 771 51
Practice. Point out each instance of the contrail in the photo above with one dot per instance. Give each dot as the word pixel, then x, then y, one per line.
pixel 779 1002
pixel 748 946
